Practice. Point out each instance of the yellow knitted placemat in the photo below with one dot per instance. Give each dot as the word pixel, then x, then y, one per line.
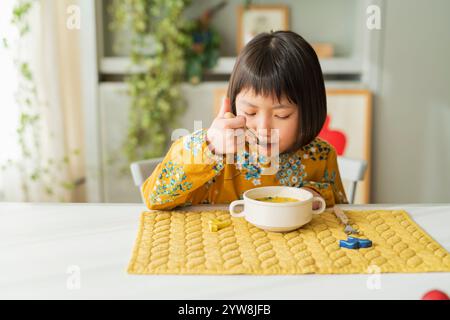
pixel 180 242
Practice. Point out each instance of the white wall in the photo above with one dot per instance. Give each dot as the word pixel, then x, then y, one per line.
pixel 411 155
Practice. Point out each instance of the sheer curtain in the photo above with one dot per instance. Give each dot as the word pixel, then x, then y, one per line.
pixel 52 51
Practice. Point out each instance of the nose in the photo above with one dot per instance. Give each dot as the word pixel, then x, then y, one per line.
pixel 264 126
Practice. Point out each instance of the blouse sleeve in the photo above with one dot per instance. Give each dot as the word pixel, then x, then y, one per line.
pixel 330 186
pixel 179 178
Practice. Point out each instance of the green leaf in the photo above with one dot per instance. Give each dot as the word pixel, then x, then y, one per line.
pixel 155 94
pixel 68 185
pixel 49 190
pixel 35 176
pixel 25 71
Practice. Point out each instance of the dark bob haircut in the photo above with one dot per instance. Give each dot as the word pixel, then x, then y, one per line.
pixel 283 63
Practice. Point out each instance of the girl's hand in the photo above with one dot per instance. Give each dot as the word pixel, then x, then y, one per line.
pixel 316 204
pixel 222 135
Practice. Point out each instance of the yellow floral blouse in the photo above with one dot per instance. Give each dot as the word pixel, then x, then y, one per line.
pixel 191 174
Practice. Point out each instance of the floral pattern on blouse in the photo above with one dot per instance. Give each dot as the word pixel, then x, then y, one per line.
pixel 247 163
pixel 196 144
pixel 316 150
pixel 170 183
pixel 177 182
pixel 291 171
pixel 328 180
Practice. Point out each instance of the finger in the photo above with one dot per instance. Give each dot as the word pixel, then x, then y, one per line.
pixel 234 123
pixel 231 138
pixel 229 134
pixel 228 115
pixel 225 107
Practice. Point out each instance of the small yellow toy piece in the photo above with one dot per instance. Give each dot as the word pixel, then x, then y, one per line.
pixel 213 227
pixel 216 224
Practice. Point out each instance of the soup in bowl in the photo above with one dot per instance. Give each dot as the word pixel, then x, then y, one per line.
pixel 277 199
pixel 278 209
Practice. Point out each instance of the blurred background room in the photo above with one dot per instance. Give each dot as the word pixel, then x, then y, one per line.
pixel 90 86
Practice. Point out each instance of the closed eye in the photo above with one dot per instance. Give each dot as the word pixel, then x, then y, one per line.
pixel 249 114
pixel 282 117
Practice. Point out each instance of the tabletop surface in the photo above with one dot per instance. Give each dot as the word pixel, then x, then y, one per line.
pixel 81 251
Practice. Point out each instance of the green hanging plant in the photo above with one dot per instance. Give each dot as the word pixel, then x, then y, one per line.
pixel 39 168
pixel 158 43
pixel 204 52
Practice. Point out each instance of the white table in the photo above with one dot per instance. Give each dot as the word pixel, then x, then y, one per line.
pixel 81 251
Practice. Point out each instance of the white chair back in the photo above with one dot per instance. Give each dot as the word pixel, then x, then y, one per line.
pixel 352 171
pixel 141 170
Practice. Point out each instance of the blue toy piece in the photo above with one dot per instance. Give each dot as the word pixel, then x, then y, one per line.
pixel 348 244
pixel 363 243
pixel 355 243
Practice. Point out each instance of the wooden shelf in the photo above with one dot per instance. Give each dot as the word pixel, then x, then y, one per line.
pixel 333 66
pixel 224 66
pixel 329 66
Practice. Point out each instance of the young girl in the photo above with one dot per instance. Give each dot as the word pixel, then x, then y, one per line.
pixel 276 86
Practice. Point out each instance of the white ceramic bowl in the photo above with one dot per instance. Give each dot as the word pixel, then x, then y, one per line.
pixel 277 217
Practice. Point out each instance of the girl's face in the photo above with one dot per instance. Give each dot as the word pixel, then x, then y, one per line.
pixel 266 113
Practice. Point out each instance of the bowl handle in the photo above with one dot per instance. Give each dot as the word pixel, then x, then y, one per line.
pixel 235 204
pixel 323 205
